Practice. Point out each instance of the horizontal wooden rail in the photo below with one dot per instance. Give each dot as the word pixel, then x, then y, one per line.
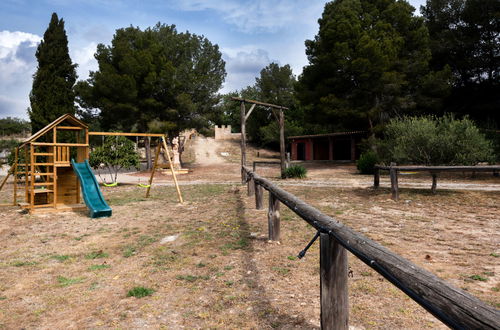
pixel 484 168
pixel 125 134
pixel 433 170
pixel 49 144
pixel 454 307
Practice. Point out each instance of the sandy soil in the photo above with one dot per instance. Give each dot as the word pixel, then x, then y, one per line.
pixel 211 266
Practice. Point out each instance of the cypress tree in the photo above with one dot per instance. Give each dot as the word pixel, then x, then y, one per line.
pixel 52 93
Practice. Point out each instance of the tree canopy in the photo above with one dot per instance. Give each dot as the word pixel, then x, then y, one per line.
pixel 465 35
pixel 157 75
pixel 368 62
pixel 52 92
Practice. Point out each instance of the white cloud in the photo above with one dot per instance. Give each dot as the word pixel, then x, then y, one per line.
pixel 17 65
pixel 84 57
pixel 243 64
pixel 258 15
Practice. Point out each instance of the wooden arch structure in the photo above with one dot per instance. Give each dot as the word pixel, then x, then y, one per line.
pixel 42 164
pixel 244 115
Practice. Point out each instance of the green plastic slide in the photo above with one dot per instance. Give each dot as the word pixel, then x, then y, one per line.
pixel 90 190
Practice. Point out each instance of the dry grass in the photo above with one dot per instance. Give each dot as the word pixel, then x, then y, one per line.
pixel 67 270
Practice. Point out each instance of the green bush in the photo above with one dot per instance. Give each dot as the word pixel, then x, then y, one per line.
pixel 367 161
pixel 435 141
pixel 116 153
pixel 295 171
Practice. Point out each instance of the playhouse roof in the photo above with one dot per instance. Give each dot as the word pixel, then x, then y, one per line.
pixel 67 117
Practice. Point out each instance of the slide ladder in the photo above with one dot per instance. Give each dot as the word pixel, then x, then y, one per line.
pixel 90 190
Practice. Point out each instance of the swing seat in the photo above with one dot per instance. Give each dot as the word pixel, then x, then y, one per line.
pixel 114 184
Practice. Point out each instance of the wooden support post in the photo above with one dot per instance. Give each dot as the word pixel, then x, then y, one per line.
pixel 157 154
pixel 243 142
pixel 172 169
pixel 26 175
pixel 282 142
pixel 334 294
pixel 250 187
pixel 16 160
pixel 394 182
pixel 32 177
pixel 376 177
pixel 434 182
pixel 259 192
pixel 273 218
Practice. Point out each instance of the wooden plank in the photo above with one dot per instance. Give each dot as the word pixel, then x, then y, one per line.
pixel 437 169
pixel 434 183
pixel 155 164
pixel 163 139
pixel 16 158
pixel 454 307
pixel 49 144
pixel 394 183
pixel 69 128
pixel 282 142
pixel 243 141
pixel 259 194
pixel 32 176
pixel 376 177
pixel 273 218
pixel 269 105
pixel 249 112
pixel 39 191
pixel 250 187
pixel 44 154
pixel 333 284
pixel 125 134
pixel 37 184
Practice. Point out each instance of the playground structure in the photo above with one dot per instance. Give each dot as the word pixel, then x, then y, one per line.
pixel 53 163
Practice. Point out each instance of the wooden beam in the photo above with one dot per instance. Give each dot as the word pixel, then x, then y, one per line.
pixel 434 182
pixel 172 169
pixel 394 183
pixel 282 142
pixel 249 112
pixel 273 218
pixel 69 128
pixel 259 195
pixel 243 141
pixel 259 103
pixel 49 144
pixel 157 154
pixel 333 284
pixel 250 187
pixel 454 307
pixel 125 134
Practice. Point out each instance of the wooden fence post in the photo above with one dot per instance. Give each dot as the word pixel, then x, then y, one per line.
pixel 250 187
pixel 434 182
pixel 376 177
pixel 394 182
pixel 273 218
pixel 333 277
pixel 259 192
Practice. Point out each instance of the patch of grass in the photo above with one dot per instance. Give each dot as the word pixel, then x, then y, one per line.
pixel 281 270
pixel 229 283
pixel 493 254
pixel 96 255
pixel 367 273
pixel 99 267
pixel 140 292
pixel 66 281
pixel 228 267
pixel 200 265
pixel 79 238
pixel 23 263
pixel 60 258
pixel 495 288
pixel 3 297
pixel 191 278
pixel 291 258
pixel 129 251
pixel 240 244
pixel 478 278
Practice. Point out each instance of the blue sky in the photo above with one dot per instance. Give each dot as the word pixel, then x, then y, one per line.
pixel 250 33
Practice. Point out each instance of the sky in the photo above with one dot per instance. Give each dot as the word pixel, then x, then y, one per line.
pixel 250 34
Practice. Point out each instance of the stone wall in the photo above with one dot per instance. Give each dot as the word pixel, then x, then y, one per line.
pixel 224 133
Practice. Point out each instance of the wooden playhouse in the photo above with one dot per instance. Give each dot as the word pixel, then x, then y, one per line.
pixel 43 166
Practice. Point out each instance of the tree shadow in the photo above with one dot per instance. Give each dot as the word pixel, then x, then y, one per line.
pixel 263 308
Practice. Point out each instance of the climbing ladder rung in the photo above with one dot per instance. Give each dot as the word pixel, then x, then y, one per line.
pixel 39 191
pixel 43 154
pixel 43 184
pixel 43 164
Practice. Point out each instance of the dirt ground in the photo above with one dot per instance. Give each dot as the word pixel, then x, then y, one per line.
pixel 210 265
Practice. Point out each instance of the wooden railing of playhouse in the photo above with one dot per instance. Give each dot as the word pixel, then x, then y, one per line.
pixel 454 307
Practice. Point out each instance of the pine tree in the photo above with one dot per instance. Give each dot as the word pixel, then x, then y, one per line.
pixel 52 93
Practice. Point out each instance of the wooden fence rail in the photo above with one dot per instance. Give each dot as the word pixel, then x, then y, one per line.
pixel 454 307
pixel 433 170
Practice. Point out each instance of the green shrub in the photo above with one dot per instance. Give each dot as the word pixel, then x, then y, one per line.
pixel 435 141
pixel 140 291
pixel 295 171
pixel 366 162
